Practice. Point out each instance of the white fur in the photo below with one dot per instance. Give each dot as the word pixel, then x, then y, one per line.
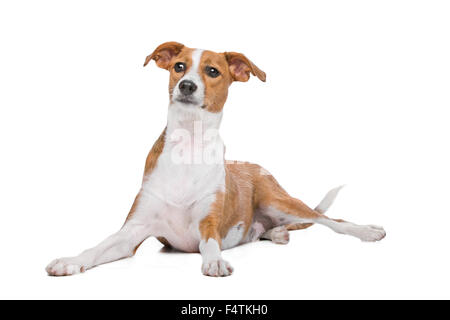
pixel 119 245
pixel 255 231
pixel 175 196
pixel 180 190
pixel 278 235
pixel 280 218
pixel 328 200
pixel 213 265
pixel 184 190
pixel 234 236
pixel 185 180
pixel 364 233
pixel 193 75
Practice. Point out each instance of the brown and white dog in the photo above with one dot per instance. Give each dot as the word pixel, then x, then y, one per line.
pixel 191 198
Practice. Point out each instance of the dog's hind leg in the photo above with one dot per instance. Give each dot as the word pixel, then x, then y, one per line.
pixel 322 207
pixel 279 235
pixel 285 210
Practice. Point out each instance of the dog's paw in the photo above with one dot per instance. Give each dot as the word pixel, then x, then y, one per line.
pixel 369 233
pixel 217 268
pixel 279 235
pixel 64 267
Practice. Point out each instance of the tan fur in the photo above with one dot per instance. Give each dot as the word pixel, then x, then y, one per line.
pixel 241 66
pixel 233 206
pixel 298 226
pixel 150 163
pixel 251 196
pixel 216 89
pixel 154 153
pixel 248 186
pixel 164 54
pixel 232 66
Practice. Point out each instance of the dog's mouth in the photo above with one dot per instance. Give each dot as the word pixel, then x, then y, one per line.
pixel 186 100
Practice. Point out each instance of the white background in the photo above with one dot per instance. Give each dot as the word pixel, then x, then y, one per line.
pixel 357 93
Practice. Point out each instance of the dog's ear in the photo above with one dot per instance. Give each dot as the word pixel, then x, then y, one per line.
pixel 164 54
pixel 240 67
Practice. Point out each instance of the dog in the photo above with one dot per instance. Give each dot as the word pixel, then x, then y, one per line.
pixel 193 200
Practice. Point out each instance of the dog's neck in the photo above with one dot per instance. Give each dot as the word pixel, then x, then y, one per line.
pixel 191 118
pixel 192 134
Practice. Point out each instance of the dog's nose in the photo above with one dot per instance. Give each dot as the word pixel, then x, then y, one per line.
pixel 187 87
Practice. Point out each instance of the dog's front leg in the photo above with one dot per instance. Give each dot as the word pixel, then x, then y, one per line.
pixel 120 245
pixel 213 264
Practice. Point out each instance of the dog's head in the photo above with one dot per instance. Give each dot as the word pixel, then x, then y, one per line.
pixel 200 78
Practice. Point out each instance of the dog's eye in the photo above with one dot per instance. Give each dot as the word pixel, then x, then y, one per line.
pixel 212 72
pixel 179 67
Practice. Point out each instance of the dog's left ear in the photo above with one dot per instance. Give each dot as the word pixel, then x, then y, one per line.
pixel 164 54
pixel 240 67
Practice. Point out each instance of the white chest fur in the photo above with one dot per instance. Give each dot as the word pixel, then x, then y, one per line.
pixel 188 174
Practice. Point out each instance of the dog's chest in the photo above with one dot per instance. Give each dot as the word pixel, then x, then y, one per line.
pixel 179 226
pixel 180 184
pixel 184 194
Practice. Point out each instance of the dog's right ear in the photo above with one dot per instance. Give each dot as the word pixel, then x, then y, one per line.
pixel 164 54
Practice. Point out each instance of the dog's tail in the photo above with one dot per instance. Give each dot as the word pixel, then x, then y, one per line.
pixel 321 208
pixel 328 200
